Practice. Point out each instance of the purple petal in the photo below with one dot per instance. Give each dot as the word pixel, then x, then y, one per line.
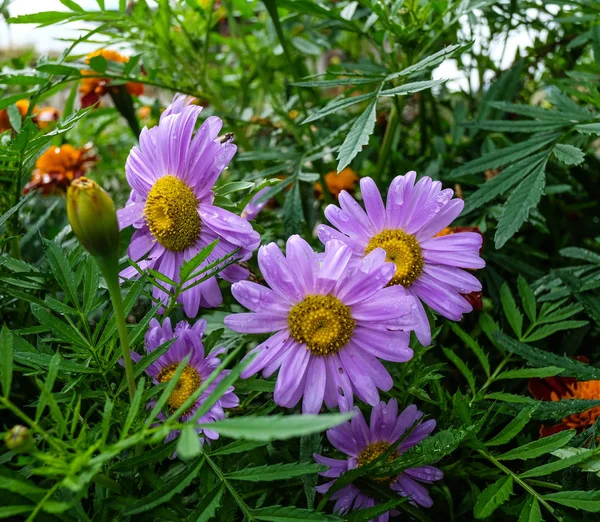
pixel 267 352
pixel 256 322
pixel 278 274
pixel 440 297
pixel 314 389
pixel 129 215
pixel 373 203
pixel 304 260
pixel 259 298
pixel 291 379
pixel 387 345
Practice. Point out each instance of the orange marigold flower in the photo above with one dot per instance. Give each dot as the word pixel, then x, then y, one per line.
pixel 46 116
pixel 92 88
pixel 345 180
pixel 22 105
pixel 58 167
pixel 565 388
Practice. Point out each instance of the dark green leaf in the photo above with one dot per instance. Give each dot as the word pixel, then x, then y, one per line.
pixel 493 497
pixel 358 136
pixel 539 447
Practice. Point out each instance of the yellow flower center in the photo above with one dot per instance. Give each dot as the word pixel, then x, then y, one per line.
pixel 371 452
pixel 581 390
pixel 403 250
pixel 322 322
pixel 171 213
pixel 189 381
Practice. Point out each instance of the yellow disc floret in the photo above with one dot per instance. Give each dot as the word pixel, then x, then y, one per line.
pixel 403 250
pixel 322 322
pixel 189 382
pixel 171 213
pixel 371 452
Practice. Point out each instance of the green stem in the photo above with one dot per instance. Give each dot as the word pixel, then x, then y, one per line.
pixel 109 269
pixel 386 147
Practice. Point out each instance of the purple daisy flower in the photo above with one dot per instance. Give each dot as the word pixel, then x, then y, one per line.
pixel 331 324
pixel 429 267
pixel 199 368
pixel 363 444
pixel 171 175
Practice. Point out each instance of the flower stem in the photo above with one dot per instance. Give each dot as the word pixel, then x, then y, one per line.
pixel 386 146
pixel 109 268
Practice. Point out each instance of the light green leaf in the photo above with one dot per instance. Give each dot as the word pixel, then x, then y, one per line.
pixel 207 507
pixel 61 269
pixel 188 444
pixel 520 126
pixel 588 128
pixel 569 154
pixel 514 316
pixel 513 428
pixel 6 359
pixel 14 116
pixel 545 331
pixel 531 511
pixel 473 345
pixel 428 62
pixel 584 500
pixel 493 497
pixel 516 211
pixel 277 427
pixel 358 136
pixel 337 105
pixel 580 253
pixel 73 6
pixel 557 465
pixel 291 514
pixel 527 298
pixel 529 373
pixel 409 88
pixel 275 472
pixel 539 447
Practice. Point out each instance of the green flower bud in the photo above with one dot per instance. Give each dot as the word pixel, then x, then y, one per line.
pixel 93 218
pixel 19 439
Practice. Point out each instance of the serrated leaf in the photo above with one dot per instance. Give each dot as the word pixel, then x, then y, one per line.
pixel 584 500
pixel 277 427
pixel 539 447
pixel 429 61
pixel 6 359
pixel 493 497
pixel 463 368
pixel 520 126
pixel 473 345
pixel 275 472
pixel 208 506
pixel 511 311
pixel 239 446
pixel 291 514
pixel 569 154
pixel 73 6
pixel 588 128
pixel 293 214
pixel 61 269
pixel 501 157
pixel 531 511
pixel 409 88
pixel 542 359
pixel 530 373
pixel 165 493
pixel 337 105
pixel 358 136
pixel 513 428
pixel 580 253
pixel 527 298
pixel 547 330
pixel 188 267
pixel 557 465
pixel 14 116
pixel 516 211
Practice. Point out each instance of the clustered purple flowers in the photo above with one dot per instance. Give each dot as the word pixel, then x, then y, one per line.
pixel 333 316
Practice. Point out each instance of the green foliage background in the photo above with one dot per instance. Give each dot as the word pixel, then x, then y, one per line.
pixel 308 87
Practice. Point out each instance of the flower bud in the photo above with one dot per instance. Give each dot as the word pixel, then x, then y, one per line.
pixel 19 439
pixel 93 218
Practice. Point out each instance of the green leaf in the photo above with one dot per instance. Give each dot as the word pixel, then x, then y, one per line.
pixel 72 5
pixel 188 267
pixel 461 365
pixel 337 105
pixel 584 500
pixel 373 513
pixel 473 345
pixel 569 154
pixel 276 427
pixel 291 514
pixel 429 62
pixel 531 111
pixel 11 511
pixel 208 505
pixel 520 126
pixel 588 128
pixel 539 447
pixel 514 316
pixel 293 214
pixel 275 472
pixel 338 81
pixel 493 497
pixel 58 328
pixel 134 407
pixel 188 444
pixel 239 446
pixel 6 359
pixel 306 46
pixel 501 157
pixel 409 88
pixel 513 428
pixel 543 359
pixel 161 452
pixel 14 116
pixel 589 300
pixel 529 373
pixel 516 211
pixel 234 186
pixel 165 493
pixel 531 511
pixel 580 253
pixel 358 136
pixel 499 184
pixel 7 215
pixel 557 465
pixel 61 269
pixel 545 331
pixel 98 63
pixel 527 298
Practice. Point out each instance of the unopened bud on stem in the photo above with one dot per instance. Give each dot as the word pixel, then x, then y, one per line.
pixel 93 218
pixel 19 439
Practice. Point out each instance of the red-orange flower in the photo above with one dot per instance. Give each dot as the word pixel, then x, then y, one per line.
pixel 565 388
pixel 345 180
pixel 22 105
pixel 92 88
pixel 41 117
pixel 46 116
pixel 58 167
